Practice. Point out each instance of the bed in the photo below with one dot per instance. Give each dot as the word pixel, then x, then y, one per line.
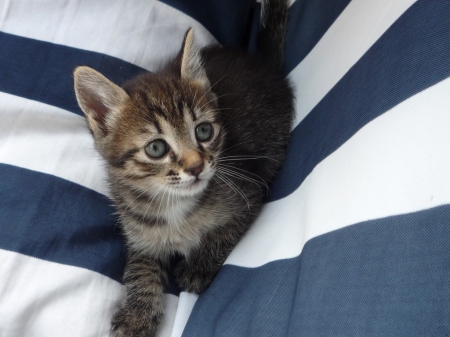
pixel 354 239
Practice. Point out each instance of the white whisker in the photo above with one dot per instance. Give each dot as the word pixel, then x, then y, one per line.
pixel 214 99
pixel 196 104
pixel 247 172
pixel 215 110
pixel 244 157
pixel 218 182
pixel 234 188
pixel 220 152
pixel 242 177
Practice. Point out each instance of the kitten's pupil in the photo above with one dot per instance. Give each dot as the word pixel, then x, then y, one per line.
pixel 203 132
pixel 157 148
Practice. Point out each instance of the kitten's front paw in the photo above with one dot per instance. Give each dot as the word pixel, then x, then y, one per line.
pixel 194 278
pixel 128 322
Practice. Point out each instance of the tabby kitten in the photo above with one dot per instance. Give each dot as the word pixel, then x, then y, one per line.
pixel 190 152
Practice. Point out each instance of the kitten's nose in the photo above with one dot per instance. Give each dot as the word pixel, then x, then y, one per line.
pixel 195 168
pixel 193 163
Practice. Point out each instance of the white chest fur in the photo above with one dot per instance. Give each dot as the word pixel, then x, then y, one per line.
pixel 181 229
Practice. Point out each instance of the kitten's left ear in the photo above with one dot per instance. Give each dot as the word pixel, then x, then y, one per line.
pixel 191 61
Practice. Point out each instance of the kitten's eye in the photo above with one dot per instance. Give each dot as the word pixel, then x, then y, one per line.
pixel 203 132
pixel 157 148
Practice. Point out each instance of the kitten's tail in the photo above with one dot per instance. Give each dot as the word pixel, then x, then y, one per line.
pixel 273 30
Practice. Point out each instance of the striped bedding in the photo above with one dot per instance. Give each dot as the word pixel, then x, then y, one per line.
pixel 355 238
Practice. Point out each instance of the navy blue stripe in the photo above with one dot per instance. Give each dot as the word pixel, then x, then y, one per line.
pixel 42 71
pixel 229 21
pixel 387 277
pixel 411 56
pixel 308 21
pixel 56 220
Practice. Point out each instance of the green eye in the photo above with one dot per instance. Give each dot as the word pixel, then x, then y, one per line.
pixel 203 132
pixel 157 148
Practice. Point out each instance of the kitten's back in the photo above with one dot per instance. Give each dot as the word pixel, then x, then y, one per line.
pixel 255 103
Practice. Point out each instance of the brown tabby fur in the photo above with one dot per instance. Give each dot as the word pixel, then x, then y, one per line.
pixel 200 198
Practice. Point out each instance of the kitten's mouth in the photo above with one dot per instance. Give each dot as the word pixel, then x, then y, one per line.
pixel 197 185
pixel 197 182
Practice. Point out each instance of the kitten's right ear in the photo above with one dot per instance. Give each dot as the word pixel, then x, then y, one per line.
pixel 99 98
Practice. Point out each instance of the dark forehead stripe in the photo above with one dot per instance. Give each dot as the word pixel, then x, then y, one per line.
pixel 150 98
pixel 191 111
pixel 157 126
pixel 181 99
pixel 196 97
pixel 184 103
pixel 180 106
pixel 160 111
pixel 144 108
pixel 154 107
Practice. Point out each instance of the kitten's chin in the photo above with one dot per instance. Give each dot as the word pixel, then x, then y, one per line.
pixel 194 188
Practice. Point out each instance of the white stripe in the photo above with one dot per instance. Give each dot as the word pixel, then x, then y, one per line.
pixel 185 305
pixel 43 138
pixel 171 308
pixel 351 35
pixel 41 298
pixel 143 32
pixel 398 163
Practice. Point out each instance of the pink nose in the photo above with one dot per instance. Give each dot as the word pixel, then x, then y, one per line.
pixel 195 169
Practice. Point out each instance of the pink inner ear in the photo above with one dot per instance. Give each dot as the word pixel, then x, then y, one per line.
pixel 100 112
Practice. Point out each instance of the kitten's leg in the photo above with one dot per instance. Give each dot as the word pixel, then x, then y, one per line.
pixel 141 311
pixel 196 272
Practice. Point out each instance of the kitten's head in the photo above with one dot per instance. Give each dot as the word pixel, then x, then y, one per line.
pixel 161 133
